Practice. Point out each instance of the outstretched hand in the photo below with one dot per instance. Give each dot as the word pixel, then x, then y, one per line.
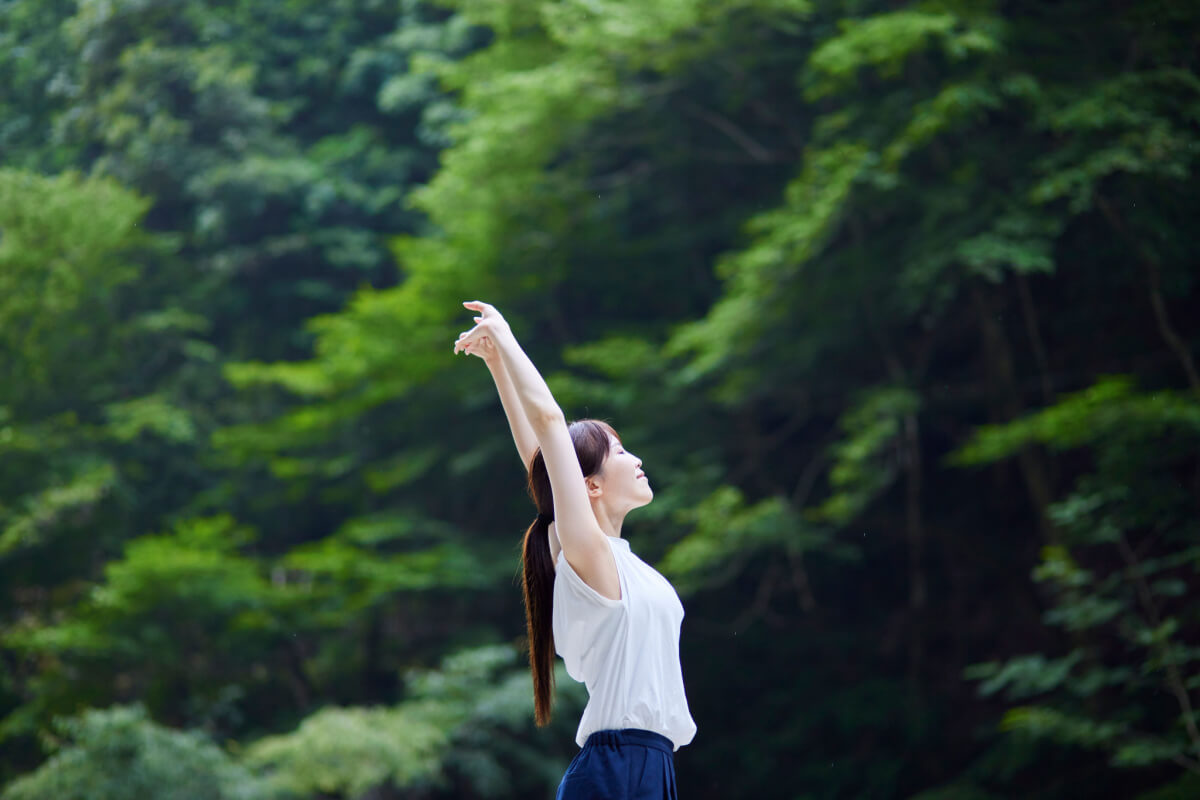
pixel 482 339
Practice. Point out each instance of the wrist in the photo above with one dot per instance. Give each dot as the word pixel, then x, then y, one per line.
pixel 502 336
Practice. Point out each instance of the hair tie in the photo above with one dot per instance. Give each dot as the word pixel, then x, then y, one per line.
pixel 546 518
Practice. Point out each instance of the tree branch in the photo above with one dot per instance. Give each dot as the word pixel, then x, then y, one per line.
pixel 1161 316
pixel 1174 679
pixel 727 127
pixel 1035 335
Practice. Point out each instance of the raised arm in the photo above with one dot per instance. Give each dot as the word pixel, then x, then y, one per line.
pixel 582 540
pixel 522 432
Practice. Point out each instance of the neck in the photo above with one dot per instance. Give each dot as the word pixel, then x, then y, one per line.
pixel 610 522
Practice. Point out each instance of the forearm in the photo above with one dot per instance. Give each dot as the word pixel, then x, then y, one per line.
pixel 522 432
pixel 530 389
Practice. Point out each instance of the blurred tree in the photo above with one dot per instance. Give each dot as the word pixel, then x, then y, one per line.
pixel 1120 577
pixel 95 440
pixel 275 158
pixel 119 753
pixel 465 729
pixel 222 116
pixel 798 251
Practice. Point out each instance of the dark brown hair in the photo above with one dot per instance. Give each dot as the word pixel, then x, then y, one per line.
pixel 591 440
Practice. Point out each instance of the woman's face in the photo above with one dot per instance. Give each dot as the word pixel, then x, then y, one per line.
pixel 624 484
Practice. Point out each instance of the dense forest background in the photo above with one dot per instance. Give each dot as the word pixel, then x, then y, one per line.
pixel 897 301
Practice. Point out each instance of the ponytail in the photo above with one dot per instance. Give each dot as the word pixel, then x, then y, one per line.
pixel 591 442
pixel 538 572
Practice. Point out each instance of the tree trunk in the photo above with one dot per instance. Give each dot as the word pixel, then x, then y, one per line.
pixel 998 361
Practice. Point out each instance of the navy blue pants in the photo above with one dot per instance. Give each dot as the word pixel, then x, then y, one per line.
pixel 629 764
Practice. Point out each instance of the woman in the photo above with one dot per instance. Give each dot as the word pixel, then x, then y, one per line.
pixel 612 617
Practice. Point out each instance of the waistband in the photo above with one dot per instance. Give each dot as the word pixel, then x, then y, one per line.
pixel 616 738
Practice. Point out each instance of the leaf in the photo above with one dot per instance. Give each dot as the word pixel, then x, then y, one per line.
pixel 727 530
pixel 1108 408
pixel 353 750
pixel 1024 676
pixel 63 504
pixel 1064 728
pixel 885 42
pixel 868 459
pixel 150 414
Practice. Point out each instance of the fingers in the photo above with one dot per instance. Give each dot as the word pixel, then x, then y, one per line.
pixel 462 341
pixel 480 306
pixel 469 338
pixel 480 348
pixel 473 340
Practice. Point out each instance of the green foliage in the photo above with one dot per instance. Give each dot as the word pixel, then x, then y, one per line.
pixel 71 255
pixel 259 149
pixel 1139 124
pixel 869 459
pixel 49 508
pixel 152 414
pixel 864 284
pixel 33 51
pixel 119 753
pixel 448 725
pixel 914 177
pixel 887 43
pixel 725 533
pixel 348 751
pixel 957 791
pixel 784 239
pixel 160 619
pixel 1143 548
pixel 1111 411
pixel 68 246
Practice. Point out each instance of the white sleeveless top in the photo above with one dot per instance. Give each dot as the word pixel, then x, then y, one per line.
pixel 625 651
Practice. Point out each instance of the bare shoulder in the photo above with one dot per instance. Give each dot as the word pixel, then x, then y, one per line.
pixel 592 559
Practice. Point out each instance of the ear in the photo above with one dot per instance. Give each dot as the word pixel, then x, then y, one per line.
pixel 593 488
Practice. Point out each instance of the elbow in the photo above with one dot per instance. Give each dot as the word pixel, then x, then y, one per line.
pixel 547 418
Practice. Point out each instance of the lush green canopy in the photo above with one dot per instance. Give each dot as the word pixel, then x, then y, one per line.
pixel 896 302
